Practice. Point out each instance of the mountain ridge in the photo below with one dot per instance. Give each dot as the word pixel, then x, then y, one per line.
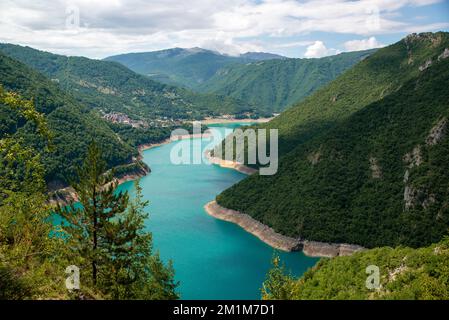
pixel 278 84
pixel 72 124
pixel 185 67
pixel 342 176
pixel 111 86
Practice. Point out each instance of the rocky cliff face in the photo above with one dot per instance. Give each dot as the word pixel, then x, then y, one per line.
pixel 415 159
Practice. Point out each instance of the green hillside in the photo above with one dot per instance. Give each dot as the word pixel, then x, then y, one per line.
pixel 404 274
pixel 185 67
pixel 277 84
pixel 111 87
pixel 364 159
pixel 73 125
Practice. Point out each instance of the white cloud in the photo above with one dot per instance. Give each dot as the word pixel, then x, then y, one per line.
pixel 294 44
pixel 232 26
pixel 318 50
pixel 364 44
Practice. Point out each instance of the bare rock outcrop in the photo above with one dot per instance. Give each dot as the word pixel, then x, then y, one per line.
pixel 444 55
pixel 410 195
pixel 414 158
pixel 376 171
pixel 314 157
pixel 437 133
pixel 426 65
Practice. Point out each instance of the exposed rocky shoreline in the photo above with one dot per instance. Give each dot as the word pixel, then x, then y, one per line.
pixel 66 195
pixel 230 164
pixel 279 241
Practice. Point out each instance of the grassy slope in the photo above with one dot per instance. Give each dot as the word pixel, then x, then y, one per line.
pixel 337 199
pixel 276 84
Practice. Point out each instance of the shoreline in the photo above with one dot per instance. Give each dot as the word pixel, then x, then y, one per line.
pixel 234 120
pixel 230 164
pixel 277 240
pixel 67 194
pixel 64 196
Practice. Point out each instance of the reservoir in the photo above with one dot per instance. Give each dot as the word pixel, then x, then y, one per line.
pixel 213 259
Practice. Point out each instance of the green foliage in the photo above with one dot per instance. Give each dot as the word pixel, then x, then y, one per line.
pixel 186 67
pixel 106 237
pixel 277 84
pixel 71 124
pixel 405 274
pixel 29 258
pixel 111 87
pixel 133 271
pixel 278 285
pixel 87 225
pixel 326 188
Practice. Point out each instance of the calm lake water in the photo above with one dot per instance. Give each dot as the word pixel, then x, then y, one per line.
pixel 213 259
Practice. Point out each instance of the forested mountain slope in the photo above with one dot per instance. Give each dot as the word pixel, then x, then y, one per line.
pixel 111 87
pixel 277 84
pixel 365 159
pixel 186 67
pixel 73 125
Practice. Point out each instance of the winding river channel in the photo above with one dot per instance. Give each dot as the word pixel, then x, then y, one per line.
pixel 213 259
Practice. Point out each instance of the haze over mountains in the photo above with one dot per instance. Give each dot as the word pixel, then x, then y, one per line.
pixel 268 81
pixel 114 88
pixel 185 67
pixel 277 84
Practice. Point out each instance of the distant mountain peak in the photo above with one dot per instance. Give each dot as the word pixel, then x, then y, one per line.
pixel 261 56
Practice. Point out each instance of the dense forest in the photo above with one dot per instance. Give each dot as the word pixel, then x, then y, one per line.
pixel 103 235
pixel 184 67
pixel 363 160
pixel 277 84
pixel 111 87
pixel 72 124
pixel 71 120
pixel 267 81
pixel 364 156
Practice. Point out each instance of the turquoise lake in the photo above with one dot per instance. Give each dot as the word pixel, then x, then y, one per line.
pixel 213 259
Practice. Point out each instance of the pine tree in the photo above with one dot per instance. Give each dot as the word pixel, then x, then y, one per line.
pixel 107 236
pixel 135 273
pixel 87 220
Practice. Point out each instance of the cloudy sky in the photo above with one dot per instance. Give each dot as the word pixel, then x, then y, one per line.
pixel 306 28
